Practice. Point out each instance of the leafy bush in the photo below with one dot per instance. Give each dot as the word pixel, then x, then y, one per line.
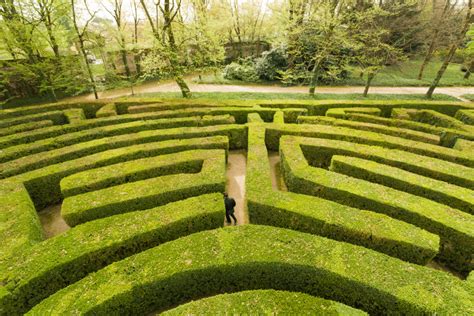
pixel 272 63
pixel 245 72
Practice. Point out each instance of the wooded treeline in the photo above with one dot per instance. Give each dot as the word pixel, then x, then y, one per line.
pixel 54 48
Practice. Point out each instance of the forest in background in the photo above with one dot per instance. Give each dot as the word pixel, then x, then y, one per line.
pixel 57 48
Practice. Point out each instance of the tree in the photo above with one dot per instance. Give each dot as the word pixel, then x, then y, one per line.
pixel 371 50
pixel 80 33
pixel 117 15
pixel 452 50
pixel 169 48
pixel 438 18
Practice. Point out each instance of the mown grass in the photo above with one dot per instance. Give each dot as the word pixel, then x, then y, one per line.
pixel 404 74
pixel 468 96
pixel 295 96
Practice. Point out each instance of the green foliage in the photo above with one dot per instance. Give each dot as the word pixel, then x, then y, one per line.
pixel 439 191
pixel 263 302
pixel 244 257
pixel 244 71
pixel 20 225
pixel 450 224
pixel 465 116
pixel 327 218
pixel 377 128
pixel 271 63
pixel 143 194
pixel 447 136
pixel 43 182
pixel 38 271
pixel 369 138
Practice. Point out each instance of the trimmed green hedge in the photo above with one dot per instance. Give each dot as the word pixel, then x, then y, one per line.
pixel 74 116
pixel 90 108
pixel 319 152
pixel 447 135
pixel 40 271
pixel 25 127
pixel 393 131
pixel 465 116
pixel 453 226
pixel 342 112
pixel 254 118
pixel 432 118
pixel 326 218
pixel 240 113
pixel 260 257
pixel 319 107
pixel 140 169
pixel 107 110
pixel 145 194
pixel 440 191
pixel 92 129
pixel 57 117
pixel 274 132
pixel 43 184
pixel 263 302
pixel 279 117
pixel 464 145
pixel 236 134
pixel 20 226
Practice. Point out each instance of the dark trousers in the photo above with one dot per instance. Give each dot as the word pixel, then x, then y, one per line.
pixel 228 215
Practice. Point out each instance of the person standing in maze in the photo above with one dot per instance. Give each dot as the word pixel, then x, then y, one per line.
pixel 229 209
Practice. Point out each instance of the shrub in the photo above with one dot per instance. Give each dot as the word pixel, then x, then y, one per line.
pixel 25 127
pixel 371 127
pixel 269 302
pixel 271 63
pixel 107 110
pixel 20 226
pixel 439 191
pixel 38 271
pixel 273 134
pixel 453 226
pixel 245 72
pixel 43 184
pixel 326 218
pixel 261 257
pixel 145 194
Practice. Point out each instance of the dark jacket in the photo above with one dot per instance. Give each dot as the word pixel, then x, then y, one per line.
pixel 229 205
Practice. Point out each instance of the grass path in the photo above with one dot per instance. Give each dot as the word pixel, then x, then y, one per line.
pixel 170 89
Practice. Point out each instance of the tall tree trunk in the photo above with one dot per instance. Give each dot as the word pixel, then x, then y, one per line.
pixel 314 79
pixel 80 36
pixel 452 50
pixel 370 77
pixel 434 38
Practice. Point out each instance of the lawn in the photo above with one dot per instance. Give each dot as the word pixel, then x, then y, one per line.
pixel 404 74
pixel 295 96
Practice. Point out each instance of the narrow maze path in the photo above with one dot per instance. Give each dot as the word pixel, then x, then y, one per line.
pixel 236 167
pixel 53 223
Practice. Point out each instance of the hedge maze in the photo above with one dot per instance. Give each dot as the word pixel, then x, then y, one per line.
pixel 348 208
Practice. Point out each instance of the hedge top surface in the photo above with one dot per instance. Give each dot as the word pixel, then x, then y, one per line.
pixel 19 223
pixel 144 194
pixel 394 131
pixel 264 302
pixel 442 192
pixel 40 157
pixel 344 272
pixel 66 258
pixel 369 138
pixel 432 167
pixel 130 170
pixel 327 218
